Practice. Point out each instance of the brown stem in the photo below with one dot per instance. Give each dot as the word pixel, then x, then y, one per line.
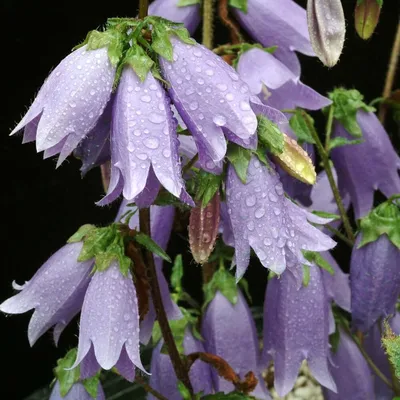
pixel 179 368
pixel 391 73
pixel 105 175
pixel 223 12
pixel 143 8
pixel 148 388
pixel 208 270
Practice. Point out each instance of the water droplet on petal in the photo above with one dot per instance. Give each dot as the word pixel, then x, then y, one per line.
pixel 219 120
pixel 222 87
pixel 250 225
pixel 156 118
pixel 151 143
pixel 272 197
pixel 194 105
pixel 251 200
pixel 146 98
pixel 260 212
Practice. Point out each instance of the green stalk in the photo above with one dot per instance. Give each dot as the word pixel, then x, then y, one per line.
pixel 208 23
pixel 143 8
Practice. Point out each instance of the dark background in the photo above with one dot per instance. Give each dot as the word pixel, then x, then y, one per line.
pixel 41 206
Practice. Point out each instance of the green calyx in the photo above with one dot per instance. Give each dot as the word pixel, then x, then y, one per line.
pixel 384 219
pixel 346 104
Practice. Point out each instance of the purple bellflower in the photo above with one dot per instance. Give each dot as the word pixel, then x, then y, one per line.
pixel 211 99
pixel 230 332
pixel 77 392
pixel 70 102
pixel 56 293
pixel 144 143
pixel 169 9
pixel 280 23
pixel 350 372
pixel 163 378
pixel 296 324
pixel 371 165
pixel 264 219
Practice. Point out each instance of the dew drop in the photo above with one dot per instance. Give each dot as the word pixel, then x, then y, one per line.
pixel 250 225
pixel 166 153
pixel 277 211
pixel 151 143
pixel 260 212
pixel 244 105
pixel 197 53
pixel 194 105
pixel 157 118
pixel 229 97
pixel 267 242
pixel 272 197
pixel 146 98
pixel 222 87
pixel 209 72
pixel 251 200
pixel 142 156
pixel 219 120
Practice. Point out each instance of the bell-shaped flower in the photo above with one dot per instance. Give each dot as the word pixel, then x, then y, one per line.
pixel 189 15
pixel 350 372
pixel 77 392
pixel 70 102
pixel 163 378
pixel 296 324
pixel 264 219
pixel 56 292
pixel 275 83
pixel 211 99
pixel 229 331
pixel 280 23
pixel 110 322
pixel 144 143
pixel 367 166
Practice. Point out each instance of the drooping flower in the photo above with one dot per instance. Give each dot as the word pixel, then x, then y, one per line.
pixel 211 99
pixel 230 333
pixel 280 23
pixel 189 15
pixel 163 378
pixel 77 392
pixel 264 219
pixel 350 372
pixel 56 292
pixel 144 144
pixel 368 166
pixel 296 327
pixel 70 102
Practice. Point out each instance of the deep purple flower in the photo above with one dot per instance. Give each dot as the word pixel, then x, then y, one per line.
pixel 350 372
pixel 264 219
pixel 56 292
pixel 229 332
pixel 284 90
pixel 296 327
pixel 375 281
pixel 70 102
pixel 211 99
pixel 368 166
pixel 163 378
pixel 280 23
pixel 188 15
pixel 144 144
pixel 77 392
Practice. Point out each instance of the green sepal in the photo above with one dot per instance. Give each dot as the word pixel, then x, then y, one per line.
pixel 346 104
pixel 183 35
pixel 81 233
pixel 327 215
pixel 239 157
pixel 239 4
pixel 184 391
pixel 177 274
pixel 161 43
pixel 165 198
pixel 184 3
pixel 140 62
pixel 228 396
pixel 341 141
pixel 300 127
pixel 148 243
pixel 306 275
pixel 391 343
pixel 96 241
pixel 317 259
pixel 224 282
pixel 245 287
pixel 270 135
pixel 66 377
pixel 334 338
pixel 261 154
pixel 384 219
pixel 92 385
pixel 207 185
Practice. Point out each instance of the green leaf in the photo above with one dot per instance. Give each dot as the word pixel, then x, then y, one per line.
pixel 334 338
pixel 346 104
pixel 270 135
pixel 207 185
pixel 177 274
pixel 240 4
pixel 341 141
pixel 80 233
pixel 327 215
pixel 161 43
pixel 140 62
pixel 228 396
pixel 300 127
pixel 148 243
pixel 245 287
pixel 96 241
pixel 92 385
pixel 184 3
pixel 165 198
pixel 317 259
pixel 66 377
pixel 221 281
pixel 391 343
pixel 383 220
pixel 306 275
pixel 183 34
pixel 184 391
pixel 113 39
pixel 239 157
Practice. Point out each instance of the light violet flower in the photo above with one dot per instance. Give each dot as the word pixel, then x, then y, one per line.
pixel 280 23
pixel 264 219
pixel 230 332
pixel 144 144
pixel 350 372
pixel 296 324
pixel 211 99
pixel 77 392
pixel 56 292
pixel 70 102
pixel 368 166
pixel 188 15
pixel 163 378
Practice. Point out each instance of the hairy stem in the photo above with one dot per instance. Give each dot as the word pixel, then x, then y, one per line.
pixel 208 23
pixel 329 125
pixel 179 368
pixel 143 8
pixel 148 388
pixel 336 194
pixel 391 73
pixel 223 12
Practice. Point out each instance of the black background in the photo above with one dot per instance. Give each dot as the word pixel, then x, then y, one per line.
pixel 41 206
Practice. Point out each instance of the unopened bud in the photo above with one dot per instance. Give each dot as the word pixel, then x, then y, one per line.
pixel 366 17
